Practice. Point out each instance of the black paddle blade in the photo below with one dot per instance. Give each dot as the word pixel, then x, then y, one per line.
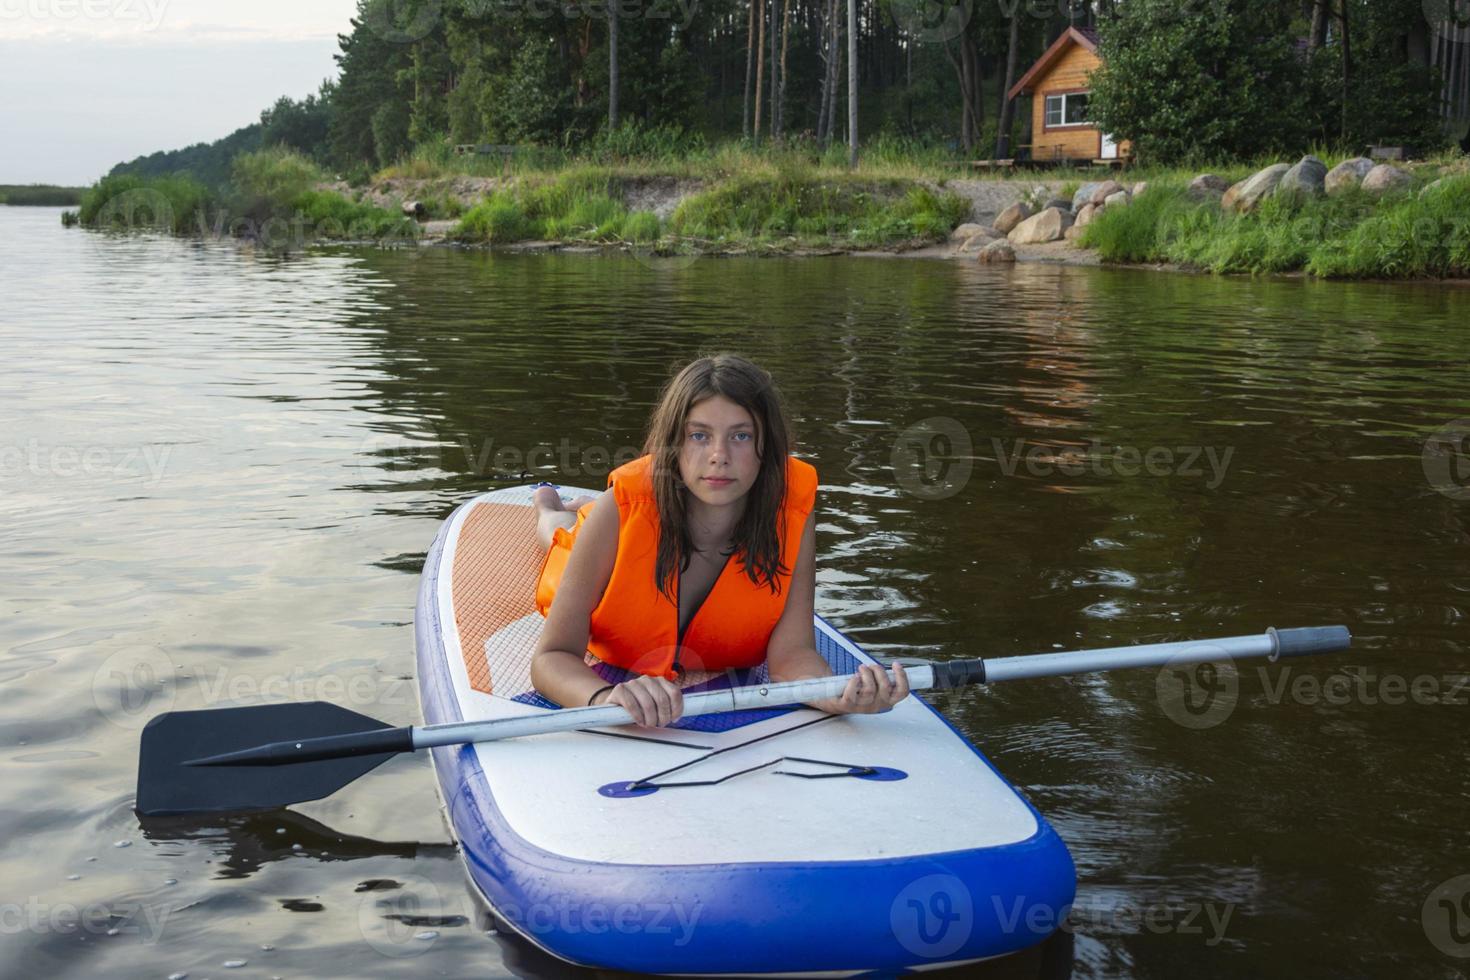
pixel 167 786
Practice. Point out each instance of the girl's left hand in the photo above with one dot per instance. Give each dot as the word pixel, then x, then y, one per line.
pixel 869 692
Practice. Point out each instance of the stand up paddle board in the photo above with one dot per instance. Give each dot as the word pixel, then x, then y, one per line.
pixel 781 840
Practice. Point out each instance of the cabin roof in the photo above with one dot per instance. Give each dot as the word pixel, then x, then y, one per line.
pixel 1069 37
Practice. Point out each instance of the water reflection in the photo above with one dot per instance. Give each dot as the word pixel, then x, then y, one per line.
pixel 311 420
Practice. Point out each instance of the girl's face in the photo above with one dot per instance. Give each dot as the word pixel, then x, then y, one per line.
pixel 720 456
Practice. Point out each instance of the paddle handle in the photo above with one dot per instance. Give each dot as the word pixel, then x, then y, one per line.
pixel 1273 643
pixel 604 715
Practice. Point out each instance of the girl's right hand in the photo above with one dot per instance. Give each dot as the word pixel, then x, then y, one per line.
pixel 652 701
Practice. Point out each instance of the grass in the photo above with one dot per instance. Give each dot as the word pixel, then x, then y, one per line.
pixel 129 202
pixel 582 205
pixel 1350 235
pixel 669 153
pixel 273 197
pixel 793 208
pixel 40 195
pixel 808 209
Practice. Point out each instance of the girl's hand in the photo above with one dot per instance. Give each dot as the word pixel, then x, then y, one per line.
pixel 652 701
pixel 869 692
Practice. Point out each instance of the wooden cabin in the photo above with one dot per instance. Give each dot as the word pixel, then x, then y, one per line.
pixel 1058 86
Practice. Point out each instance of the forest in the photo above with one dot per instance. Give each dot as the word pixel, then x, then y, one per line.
pixel 1183 80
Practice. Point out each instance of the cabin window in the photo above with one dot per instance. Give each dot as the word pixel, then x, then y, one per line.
pixel 1069 109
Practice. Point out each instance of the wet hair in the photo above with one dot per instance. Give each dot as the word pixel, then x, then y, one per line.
pixel 757 537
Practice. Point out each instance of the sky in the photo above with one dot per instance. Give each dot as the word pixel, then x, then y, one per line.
pixel 86 84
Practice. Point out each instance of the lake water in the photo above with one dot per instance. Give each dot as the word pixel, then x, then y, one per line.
pixel 221 471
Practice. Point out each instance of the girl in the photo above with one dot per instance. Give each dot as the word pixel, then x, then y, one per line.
pixel 698 558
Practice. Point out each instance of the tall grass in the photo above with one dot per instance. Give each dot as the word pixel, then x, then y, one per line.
pixel 637 150
pixel 582 205
pixel 40 195
pixel 791 208
pixel 1422 235
pixel 273 195
pixel 812 210
pixel 1347 235
pixel 126 201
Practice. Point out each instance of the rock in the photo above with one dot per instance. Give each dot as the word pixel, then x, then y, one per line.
pixel 1072 233
pixel 415 209
pixel 1045 226
pixel 1118 200
pixel 1012 216
pixel 1349 173
pixel 1207 187
pixel 966 231
pixel 1083 196
pixel 975 243
pixel 1384 178
pixel 1085 216
pixel 997 252
pixel 1060 203
pixel 1306 179
pixel 1432 185
pixel 1140 187
pixel 1104 189
pixel 1249 193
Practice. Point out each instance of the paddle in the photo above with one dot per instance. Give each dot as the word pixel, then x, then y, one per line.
pixel 228 759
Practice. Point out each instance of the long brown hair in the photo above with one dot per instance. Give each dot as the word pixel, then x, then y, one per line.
pixel 757 538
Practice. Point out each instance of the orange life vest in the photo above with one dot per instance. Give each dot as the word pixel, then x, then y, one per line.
pixel 636 626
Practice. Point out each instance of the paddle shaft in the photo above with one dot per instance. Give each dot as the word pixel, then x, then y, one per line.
pixel 925 676
pixel 922 677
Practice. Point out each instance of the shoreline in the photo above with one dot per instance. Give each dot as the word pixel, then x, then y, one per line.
pixel 1057 253
pixel 1060 253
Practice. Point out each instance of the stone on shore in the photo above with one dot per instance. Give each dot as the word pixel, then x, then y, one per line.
pixel 1249 193
pixel 1386 177
pixel 997 253
pixel 1046 226
pixel 1007 220
pixel 975 243
pixel 1083 197
pixel 1349 173
pixel 1118 200
pixel 1139 188
pixel 1207 187
pixel 967 231
pixel 1060 203
pixel 1072 233
pixel 415 210
pixel 1085 216
pixel 1106 188
pixel 1306 179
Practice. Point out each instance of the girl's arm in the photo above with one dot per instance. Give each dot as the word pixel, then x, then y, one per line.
pixel 791 655
pixel 559 669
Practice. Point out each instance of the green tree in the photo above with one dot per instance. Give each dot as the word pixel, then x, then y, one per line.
pixel 1215 80
pixel 302 126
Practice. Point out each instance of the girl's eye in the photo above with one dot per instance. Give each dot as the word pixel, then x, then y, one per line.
pixel 696 436
pixel 743 436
